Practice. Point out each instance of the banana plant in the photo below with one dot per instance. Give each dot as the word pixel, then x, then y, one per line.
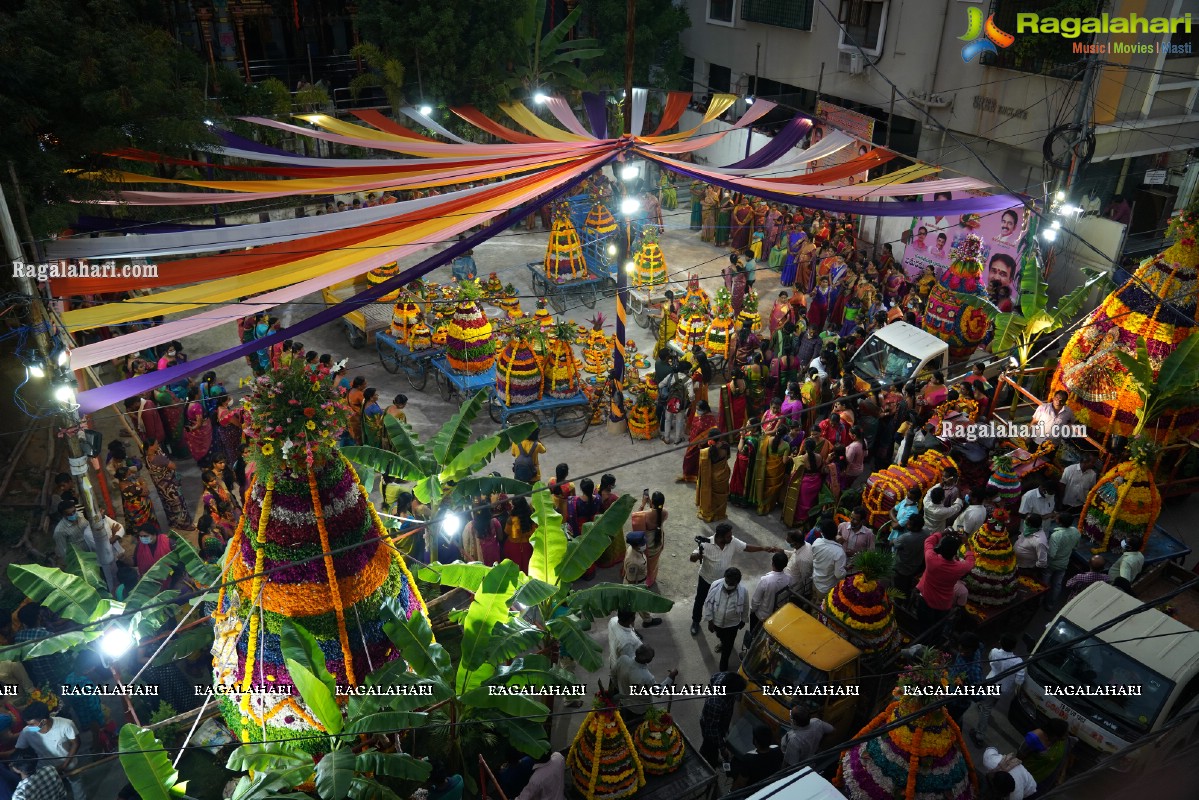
pixel 147 765
pixel 385 74
pixel 550 58
pixel 1176 384
pixel 562 614
pixel 442 470
pixel 1017 333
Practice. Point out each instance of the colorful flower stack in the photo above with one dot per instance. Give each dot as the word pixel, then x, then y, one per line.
pixel 885 488
pixel 650 261
pixel 304 501
pixel 992 582
pixel 1157 305
pixel 697 294
pixel 965 325
pixel 718 339
pixel 659 743
pixel 924 759
pixel 542 316
pixel 384 273
pixel 602 760
pixel 694 317
pixel 564 253
pixel 643 416
pixel 518 378
pixel 405 316
pixel 861 604
pixel 597 353
pixel 599 223
pixel 509 302
pixel 470 348
pixel 1125 501
pixel 1004 481
pixel 493 287
pixel 749 313
pixel 559 368
pixel 440 334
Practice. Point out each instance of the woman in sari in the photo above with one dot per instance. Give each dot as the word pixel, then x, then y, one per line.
pixel 756 374
pixel 791 264
pixel 803 485
pixel 785 369
pixel 229 426
pixel 712 486
pixel 166 482
pixel 171 410
pixel 218 503
pixel 697 199
pixel 777 258
pixel 772 227
pixel 771 417
pixel 372 419
pixel 770 471
pixel 780 313
pixel 724 219
pixel 135 500
pixel 932 395
pixel 517 545
pixel 151 548
pixel 397 408
pixel 198 433
pixel 803 275
pixel 146 419
pixel 697 434
pixel 792 406
pixel 742 478
pixel 651 521
pixel 818 306
pixel 741 223
pixel 708 206
pixel 746 345
pixel 669 195
pixel 210 393
pixel 481 537
pixel 738 283
pixel 733 403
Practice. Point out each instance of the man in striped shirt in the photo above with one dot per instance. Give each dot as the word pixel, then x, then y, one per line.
pixel 1081 581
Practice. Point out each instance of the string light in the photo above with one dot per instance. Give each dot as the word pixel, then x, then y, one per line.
pixel 426 110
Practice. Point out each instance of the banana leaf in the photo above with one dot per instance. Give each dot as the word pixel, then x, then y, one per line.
pixel 147 766
pixel 184 644
pixel 317 697
pixel 334 772
pixel 414 639
pixel 85 565
pixel 272 756
pixel 490 607
pixel 604 599
pixel 368 789
pixel 394 765
pixel 514 705
pixel 1034 292
pixel 200 570
pixel 512 638
pixel 549 540
pixel 480 485
pixel 300 646
pixel 58 643
pixel 1008 329
pixel 69 596
pixel 455 433
pixel 582 552
pixel 525 735
pixel 569 631
pixel 387 721
pixel 376 459
pixel 465 576
pixel 149 587
pixel 534 592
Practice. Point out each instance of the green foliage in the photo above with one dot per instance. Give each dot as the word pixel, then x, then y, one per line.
pixel 874 564
pixel 385 73
pixel 164 712
pixel 657 49
pixel 549 59
pixel 84 78
pixel 147 766
pixel 1176 385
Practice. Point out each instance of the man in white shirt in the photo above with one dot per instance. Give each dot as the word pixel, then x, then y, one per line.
pixel 803 738
pixel 854 535
pixel 726 611
pixel 54 739
pixel 938 510
pixel 1001 659
pixel 771 592
pixel 973 516
pixel 622 637
pixel 828 562
pixel 1038 501
pixel 799 564
pixel 548 781
pixel 1008 778
pixel 1051 415
pixel 1131 561
pixel 817 364
pixel 1077 482
pixel 714 558
pixel 633 670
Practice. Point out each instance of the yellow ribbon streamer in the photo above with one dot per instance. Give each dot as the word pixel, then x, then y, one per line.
pixel 539 127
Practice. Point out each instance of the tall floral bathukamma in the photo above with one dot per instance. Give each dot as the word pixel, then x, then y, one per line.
pixel 518 378
pixel 860 603
pixel 693 323
pixel 718 341
pixel 958 312
pixel 750 313
pixel 885 488
pixel 469 346
pixel 1124 502
pixel 659 743
pixel 564 253
pixel 924 759
pixel 304 503
pixel 992 582
pixel 405 316
pixel 599 222
pixel 597 352
pixel 1004 481
pixel 643 416
pixel 1159 306
pixel 650 261
pixel 602 760
pixel 384 273
pixel 559 369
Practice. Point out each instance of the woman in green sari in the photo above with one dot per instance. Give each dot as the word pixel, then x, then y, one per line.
pixel 697 205
pixel 724 218
pixel 755 376
pixel 668 195
pixel 771 470
pixel 372 419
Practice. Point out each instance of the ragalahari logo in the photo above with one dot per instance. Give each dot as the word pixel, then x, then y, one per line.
pixel 982 37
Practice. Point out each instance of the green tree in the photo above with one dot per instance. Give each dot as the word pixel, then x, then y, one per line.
pixel 550 59
pixel 1175 386
pixel 83 78
pixel 384 73
pixel 657 50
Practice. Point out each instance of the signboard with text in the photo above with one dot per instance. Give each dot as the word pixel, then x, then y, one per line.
pixel 860 126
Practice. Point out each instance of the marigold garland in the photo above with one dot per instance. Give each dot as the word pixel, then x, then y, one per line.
pixel 621 768
pixel 885 488
pixel 1124 502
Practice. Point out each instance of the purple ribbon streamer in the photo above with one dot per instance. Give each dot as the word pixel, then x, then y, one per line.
pixel 236 142
pixel 597 113
pixel 782 143
pixel 93 400
pixel 907 208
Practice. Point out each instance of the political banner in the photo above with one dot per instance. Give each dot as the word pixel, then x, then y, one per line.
pixel 931 240
pixel 859 126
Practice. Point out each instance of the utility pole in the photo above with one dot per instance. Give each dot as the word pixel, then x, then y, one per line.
pixel 623 243
pixel 1082 116
pixel 878 220
pixel 749 135
pixel 71 428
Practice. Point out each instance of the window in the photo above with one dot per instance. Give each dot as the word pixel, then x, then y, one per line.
pixel 721 12
pixel 720 78
pixel 863 24
pixel 795 14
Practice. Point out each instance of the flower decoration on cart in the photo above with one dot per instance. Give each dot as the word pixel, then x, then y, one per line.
pixel 602 760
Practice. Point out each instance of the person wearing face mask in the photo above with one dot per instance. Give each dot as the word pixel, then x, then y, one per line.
pixel 72 530
pixel 727 611
pixel 54 739
pixel 636 569
pixel 1131 561
pixel 151 548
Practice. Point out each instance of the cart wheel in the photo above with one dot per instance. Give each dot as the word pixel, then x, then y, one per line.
pixel 357 338
pixel 558 302
pixel 443 386
pixel 641 317
pixel 495 409
pixel 417 371
pixel 571 421
pixel 388 357
pixel 521 417
pixel 539 286
pixel 590 296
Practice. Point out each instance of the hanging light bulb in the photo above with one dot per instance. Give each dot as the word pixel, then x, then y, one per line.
pixel 450 525
pixel 630 267
pixel 630 206
pixel 1049 234
pixel 611 249
pixel 629 172
pixel 426 110
pixel 540 97
pixel 116 641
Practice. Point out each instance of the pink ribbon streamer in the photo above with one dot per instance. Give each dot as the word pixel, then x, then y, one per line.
pixel 563 113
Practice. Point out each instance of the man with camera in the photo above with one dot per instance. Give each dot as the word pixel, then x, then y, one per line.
pixel 715 555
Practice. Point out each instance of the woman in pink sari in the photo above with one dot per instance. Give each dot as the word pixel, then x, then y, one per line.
pixel 780 313
pixel 803 485
pixel 792 407
pixel 772 227
pixel 229 421
pixel 198 433
pixel 698 433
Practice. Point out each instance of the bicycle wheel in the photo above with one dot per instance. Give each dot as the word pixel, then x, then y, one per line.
pixel 417 372
pixel 558 302
pixel 641 317
pixel 590 294
pixel 387 356
pixel 495 409
pixel 444 388
pixel 356 337
pixel 521 417
pixel 571 421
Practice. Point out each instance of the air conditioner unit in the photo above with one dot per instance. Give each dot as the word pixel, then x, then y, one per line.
pixel 856 65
